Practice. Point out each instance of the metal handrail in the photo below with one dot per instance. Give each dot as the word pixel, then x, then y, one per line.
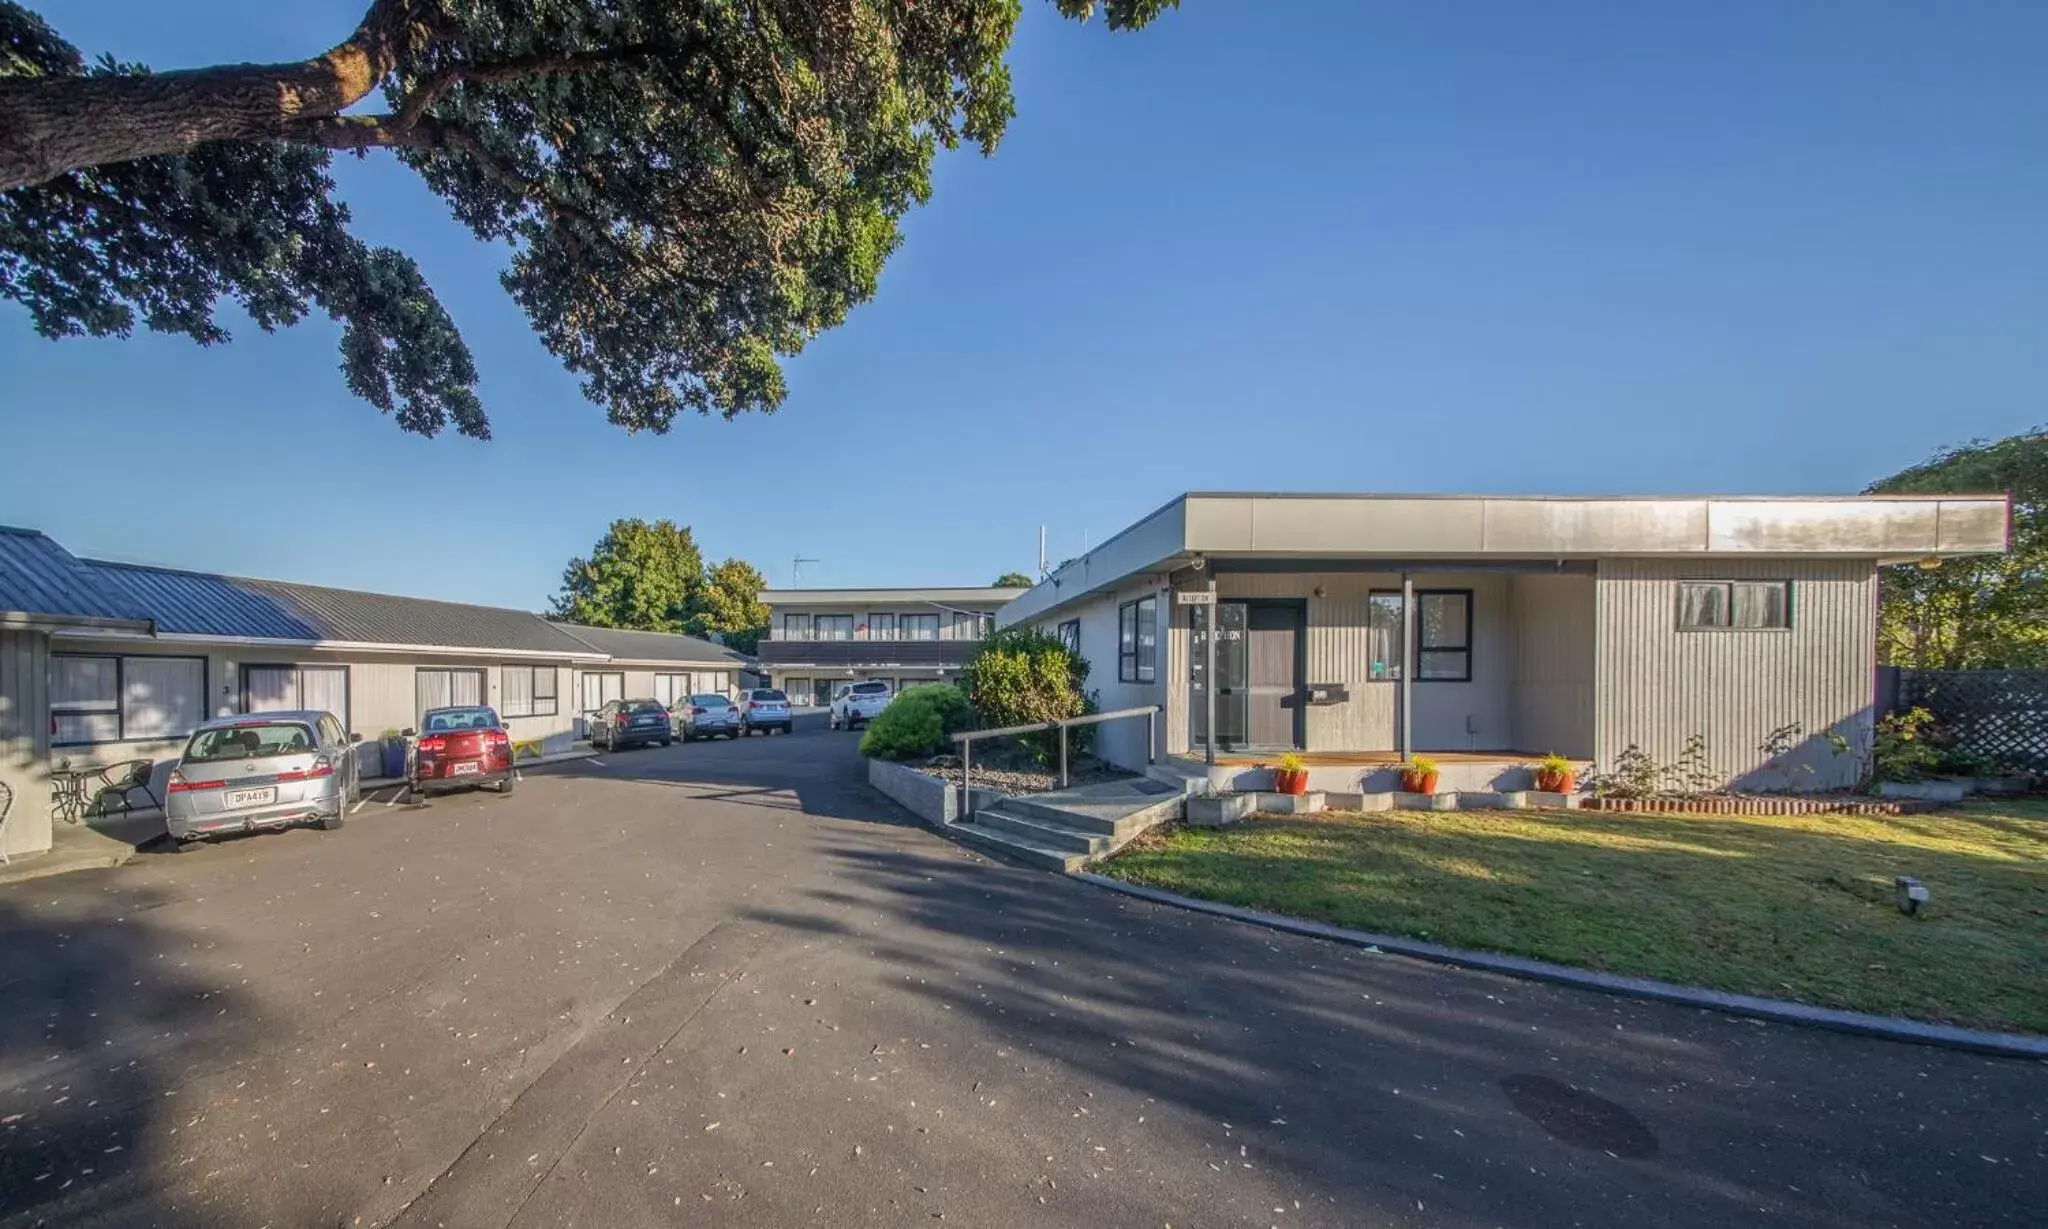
pixel 966 738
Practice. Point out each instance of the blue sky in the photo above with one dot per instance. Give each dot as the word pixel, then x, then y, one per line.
pixel 1285 245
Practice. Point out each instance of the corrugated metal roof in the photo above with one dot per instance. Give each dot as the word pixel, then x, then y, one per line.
pixel 655 646
pixel 39 577
pixel 205 604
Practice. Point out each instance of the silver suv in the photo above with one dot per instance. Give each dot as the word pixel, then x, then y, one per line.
pixel 856 704
pixel 261 770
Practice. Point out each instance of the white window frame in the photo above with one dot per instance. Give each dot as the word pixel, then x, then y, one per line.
pixel 1730 592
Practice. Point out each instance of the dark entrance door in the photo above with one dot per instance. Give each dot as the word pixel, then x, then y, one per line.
pixel 1258 675
pixel 1272 683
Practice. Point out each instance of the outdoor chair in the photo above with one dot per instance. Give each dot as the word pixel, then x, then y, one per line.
pixel 120 780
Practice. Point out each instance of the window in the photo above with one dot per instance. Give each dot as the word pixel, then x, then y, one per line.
pixel 124 699
pixel 1070 635
pixel 920 626
pixel 881 627
pixel 1443 635
pixel 448 688
pixel 834 627
pixel 1137 641
pixel 671 688
pixel 1737 605
pixel 796 627
pixel 1386 651
pixel 272 689
pixel 601 687
pixel 527 691
pixel 798 689
pixel 253 740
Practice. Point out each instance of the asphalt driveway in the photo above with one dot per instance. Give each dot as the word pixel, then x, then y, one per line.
pixel 727 984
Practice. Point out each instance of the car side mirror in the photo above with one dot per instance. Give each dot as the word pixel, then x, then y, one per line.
pixel 408 732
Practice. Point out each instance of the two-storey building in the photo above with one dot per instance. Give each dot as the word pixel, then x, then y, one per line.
pixel 821 637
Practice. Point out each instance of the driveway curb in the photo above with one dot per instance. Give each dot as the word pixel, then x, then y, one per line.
pixel 1783 1011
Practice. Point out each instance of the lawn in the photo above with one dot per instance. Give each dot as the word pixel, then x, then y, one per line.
pixel 1798 907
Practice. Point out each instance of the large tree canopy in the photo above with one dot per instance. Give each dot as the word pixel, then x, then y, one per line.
pixel 639 575
pixel 689 188
pixel 1983 611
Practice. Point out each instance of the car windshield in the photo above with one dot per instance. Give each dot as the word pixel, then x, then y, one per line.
pixel 709 699
pixel 765 696
pixel 644 707
pixel 442 720
pixel 871 689
pixel 254 740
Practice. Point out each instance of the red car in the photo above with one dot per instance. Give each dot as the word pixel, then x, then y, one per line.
pixel 458 747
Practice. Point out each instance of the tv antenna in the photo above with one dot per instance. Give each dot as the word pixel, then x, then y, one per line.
pixel 796 570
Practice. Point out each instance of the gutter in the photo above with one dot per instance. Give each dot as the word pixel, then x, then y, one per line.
pixel 354 646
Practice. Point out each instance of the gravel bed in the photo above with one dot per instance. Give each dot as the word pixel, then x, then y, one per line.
pixel 1024 779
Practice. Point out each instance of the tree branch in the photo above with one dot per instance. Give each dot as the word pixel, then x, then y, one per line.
pixel 432 87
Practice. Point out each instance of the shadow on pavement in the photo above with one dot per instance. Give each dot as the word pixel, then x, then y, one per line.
pixel 80 1130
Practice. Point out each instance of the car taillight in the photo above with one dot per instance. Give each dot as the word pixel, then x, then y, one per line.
pixel 180 785
pixel 322 767
pixel 498 739
pixel 433 743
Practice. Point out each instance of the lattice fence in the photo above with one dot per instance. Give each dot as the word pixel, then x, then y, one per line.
pixel 1999 714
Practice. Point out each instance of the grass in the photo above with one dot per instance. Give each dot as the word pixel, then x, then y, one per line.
pixel 1797 907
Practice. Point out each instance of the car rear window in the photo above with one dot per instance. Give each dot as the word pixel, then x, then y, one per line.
pixel 709 699
pixel 871 689
pixel 647 706
pixel 256 740
pixel 440 721
pixel 771 697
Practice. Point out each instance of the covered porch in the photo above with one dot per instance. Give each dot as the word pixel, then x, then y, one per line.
pixel 1485 666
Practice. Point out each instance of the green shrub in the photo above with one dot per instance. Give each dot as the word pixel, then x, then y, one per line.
pixel 917 723
pixel 1023 676
pixel 1905 747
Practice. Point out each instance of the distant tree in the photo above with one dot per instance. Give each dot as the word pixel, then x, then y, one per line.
pixel 729 606
pixel 639 575
pixel 1984 611
pixel 686 189
pixel 1012 580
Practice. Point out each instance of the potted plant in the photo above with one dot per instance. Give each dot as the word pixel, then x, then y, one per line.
pixel 1554 775
pixel 1418 775
pixel 1291 777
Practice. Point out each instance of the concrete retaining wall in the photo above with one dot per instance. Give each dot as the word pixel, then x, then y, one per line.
pixel 932 800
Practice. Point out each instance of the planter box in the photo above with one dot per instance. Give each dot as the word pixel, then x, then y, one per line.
pixel 1541 800
pixel 1486 800
pixel 1216 810
pixel 935 801
pixel 1404 801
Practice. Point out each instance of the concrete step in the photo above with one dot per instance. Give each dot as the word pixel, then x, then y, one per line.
pixel 1042 831
pixel 1020 848
pixel 1119 819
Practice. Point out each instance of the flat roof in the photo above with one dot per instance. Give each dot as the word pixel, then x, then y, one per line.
pixel 1303 526
pixel 907 596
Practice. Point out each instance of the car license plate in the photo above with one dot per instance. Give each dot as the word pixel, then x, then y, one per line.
pixel 252 797
pixel 463 770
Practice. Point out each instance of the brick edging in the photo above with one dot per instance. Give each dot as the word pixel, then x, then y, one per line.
pixel 1783 1011
pixel 1760 804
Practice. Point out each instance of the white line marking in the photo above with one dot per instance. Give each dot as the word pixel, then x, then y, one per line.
pixel 591 759
pixel 358 806
pixel 392 800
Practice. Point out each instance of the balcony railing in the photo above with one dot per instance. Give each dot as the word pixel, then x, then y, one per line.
pixel 777 653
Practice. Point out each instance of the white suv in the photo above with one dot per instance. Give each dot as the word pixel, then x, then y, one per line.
pixel 856 704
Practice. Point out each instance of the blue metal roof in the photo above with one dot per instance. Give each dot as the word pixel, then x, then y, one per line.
pixel 39 577
pixel 206 604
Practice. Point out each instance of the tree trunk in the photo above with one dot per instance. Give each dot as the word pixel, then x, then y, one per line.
pixel 52 125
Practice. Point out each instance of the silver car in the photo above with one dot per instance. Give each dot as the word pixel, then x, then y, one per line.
pixel 261 770
pixel 708 715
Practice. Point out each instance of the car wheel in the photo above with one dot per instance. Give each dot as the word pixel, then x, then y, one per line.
pixel 331 822
pixel 188 845
pixel 506 786
pixel 667 741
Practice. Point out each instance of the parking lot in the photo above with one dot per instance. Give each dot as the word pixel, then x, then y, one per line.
pixel 725 983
